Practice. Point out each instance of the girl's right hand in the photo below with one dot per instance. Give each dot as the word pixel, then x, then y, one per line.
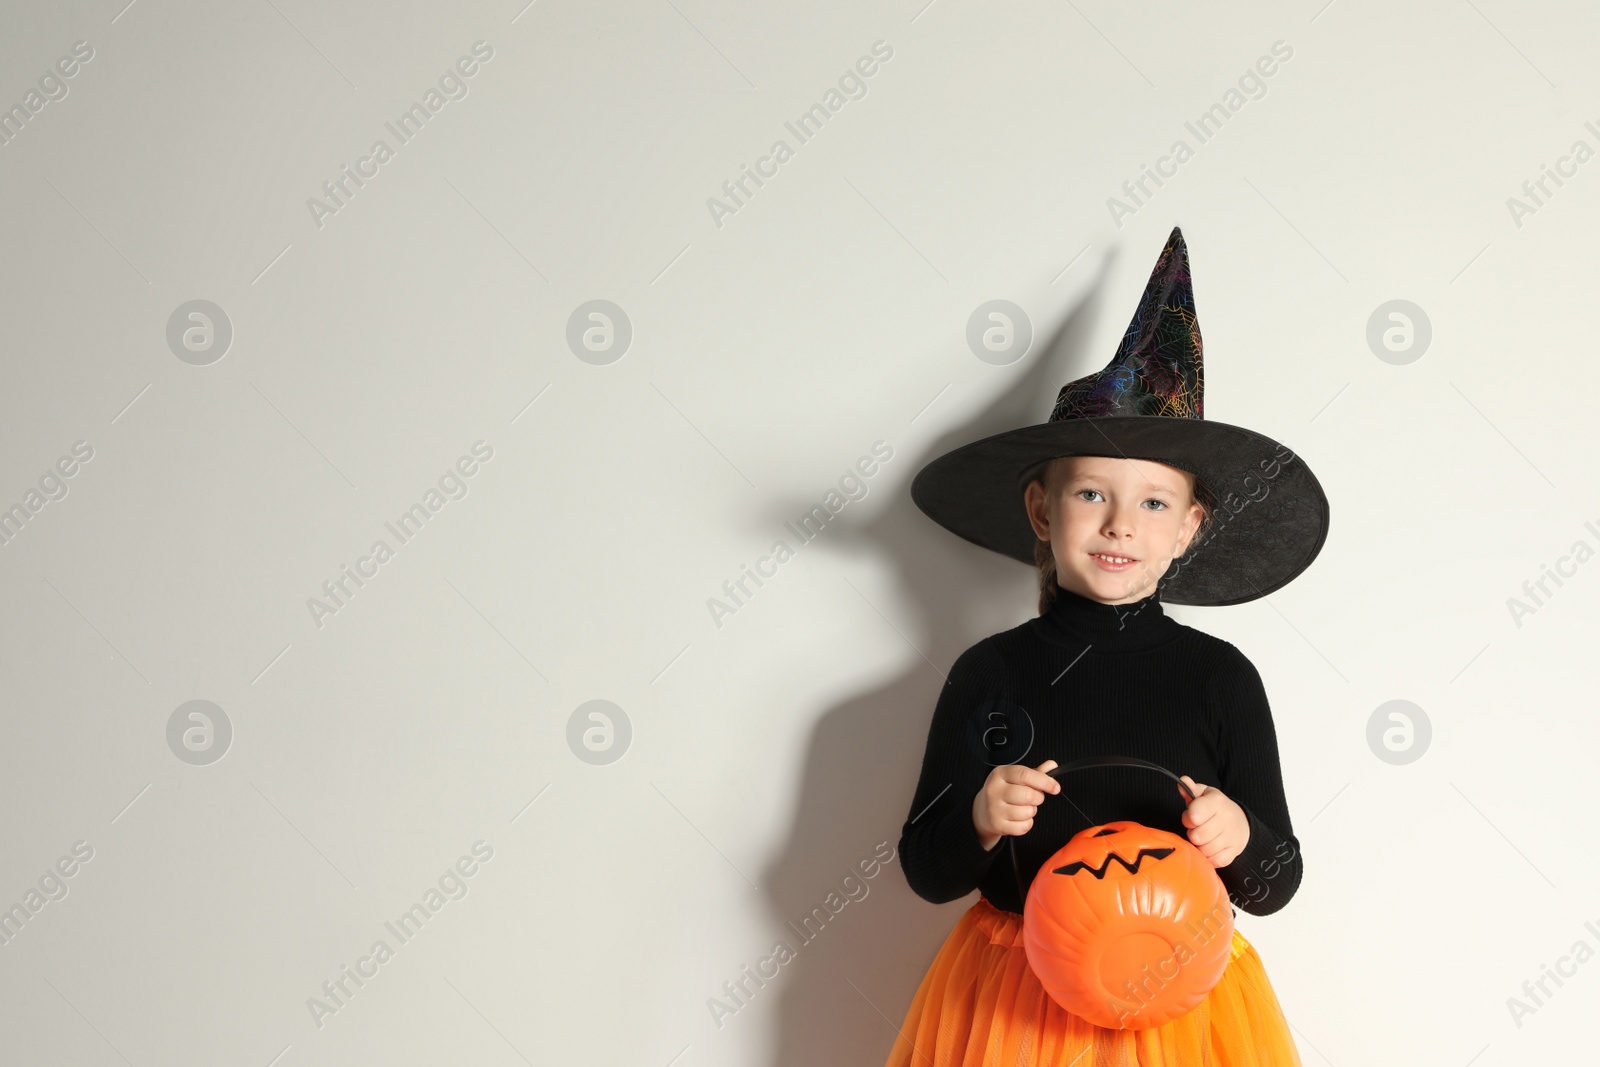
pixel 1008 800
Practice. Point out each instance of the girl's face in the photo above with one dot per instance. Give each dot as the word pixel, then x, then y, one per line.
pixel 1114 525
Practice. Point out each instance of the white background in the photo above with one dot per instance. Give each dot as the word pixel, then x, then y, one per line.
pixel 771 753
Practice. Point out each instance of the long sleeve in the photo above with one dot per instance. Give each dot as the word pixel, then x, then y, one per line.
pixel 940 853
pixel 1264 876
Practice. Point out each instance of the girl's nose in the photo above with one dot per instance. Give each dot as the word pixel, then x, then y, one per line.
pixel 1120 522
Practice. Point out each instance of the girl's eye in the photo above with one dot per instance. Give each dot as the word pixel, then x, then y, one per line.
pixel 1161 505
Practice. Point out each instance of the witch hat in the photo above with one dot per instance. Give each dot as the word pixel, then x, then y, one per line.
pixel 1271 516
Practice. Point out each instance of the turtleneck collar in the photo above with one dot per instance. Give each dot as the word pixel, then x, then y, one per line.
pixel 1075 620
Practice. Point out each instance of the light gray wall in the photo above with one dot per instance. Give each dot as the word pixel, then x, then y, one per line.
pixel 770 751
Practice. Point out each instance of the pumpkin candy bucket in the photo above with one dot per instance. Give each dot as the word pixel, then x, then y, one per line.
pixel 1126 925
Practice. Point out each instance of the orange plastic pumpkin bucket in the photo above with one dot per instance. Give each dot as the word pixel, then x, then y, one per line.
pixel 1127 926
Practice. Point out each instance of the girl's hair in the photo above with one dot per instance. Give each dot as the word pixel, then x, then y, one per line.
pixel 1045 560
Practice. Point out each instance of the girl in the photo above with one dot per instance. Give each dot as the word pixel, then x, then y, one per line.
pixel 1124 499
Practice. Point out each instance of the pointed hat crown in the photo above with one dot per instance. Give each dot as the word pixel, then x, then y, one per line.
pixel 1158 368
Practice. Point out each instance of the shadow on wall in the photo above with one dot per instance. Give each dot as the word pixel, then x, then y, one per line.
pixel 846 992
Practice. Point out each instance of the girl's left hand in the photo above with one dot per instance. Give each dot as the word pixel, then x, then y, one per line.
pixel 1218 827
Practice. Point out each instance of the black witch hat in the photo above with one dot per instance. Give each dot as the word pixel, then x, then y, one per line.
pixel 1271 516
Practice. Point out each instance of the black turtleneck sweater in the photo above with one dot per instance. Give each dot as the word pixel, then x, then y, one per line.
pixel 1093 679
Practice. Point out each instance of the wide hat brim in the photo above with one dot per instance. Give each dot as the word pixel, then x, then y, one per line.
pixel 1270 522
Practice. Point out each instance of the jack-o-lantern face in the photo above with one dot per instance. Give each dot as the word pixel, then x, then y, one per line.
pixel 1114 850
pixel 1128 926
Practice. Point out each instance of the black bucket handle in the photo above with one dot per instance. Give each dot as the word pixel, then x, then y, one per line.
pixel 1083 765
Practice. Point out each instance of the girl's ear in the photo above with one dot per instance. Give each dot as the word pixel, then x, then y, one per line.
pixel 1036 502
pixel 1191 523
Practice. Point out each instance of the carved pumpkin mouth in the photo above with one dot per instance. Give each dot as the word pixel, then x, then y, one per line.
pixel 1132 867
pixel 1100 872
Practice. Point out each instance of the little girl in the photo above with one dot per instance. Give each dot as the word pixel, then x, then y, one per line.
pixel 1124 499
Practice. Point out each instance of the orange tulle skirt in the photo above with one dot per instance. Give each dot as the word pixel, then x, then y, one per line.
pixel 980 1005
